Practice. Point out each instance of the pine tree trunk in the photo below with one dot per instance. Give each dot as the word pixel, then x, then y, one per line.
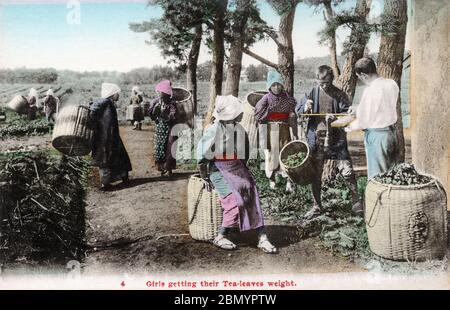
pixel 390 59
pixel 218 57
pixel 236 49
pixel 191 73
pixel 332 46
pixel 358 40
pixel 286 50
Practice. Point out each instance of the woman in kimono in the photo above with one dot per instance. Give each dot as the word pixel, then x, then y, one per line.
pixel 276 110
pixel 163 110
pixel 223 150
pixel 108 151
pixel 138 113
pixel 33 104
pixel 51 106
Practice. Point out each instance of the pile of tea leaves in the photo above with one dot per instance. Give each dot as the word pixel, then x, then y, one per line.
pixel 402 174
pixel 295 160
pixel 42 198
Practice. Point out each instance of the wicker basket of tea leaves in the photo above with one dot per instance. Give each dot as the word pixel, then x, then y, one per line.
pixel 295 161
pixel 406 215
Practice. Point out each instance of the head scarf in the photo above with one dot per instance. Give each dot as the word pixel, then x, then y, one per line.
pixel 50 92
pixel 227 108
pixel 273 77
pixel 165 87
pixel 135 91
pixel 109 89
pixel 33 93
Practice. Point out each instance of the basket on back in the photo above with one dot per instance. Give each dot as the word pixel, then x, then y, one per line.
pixel 406 222
pixel 72 134
pixel 248 119
pixel 185 106
pixel 19 104
pixel 204 210
pixel 304 172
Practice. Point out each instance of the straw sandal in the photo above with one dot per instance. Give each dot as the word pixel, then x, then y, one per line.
pixel 223 243
pixel 267 247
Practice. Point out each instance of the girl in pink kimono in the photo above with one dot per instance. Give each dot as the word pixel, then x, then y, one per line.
pixel 223 149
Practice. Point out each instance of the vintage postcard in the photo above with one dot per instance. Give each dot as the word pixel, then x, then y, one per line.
pixel 224 144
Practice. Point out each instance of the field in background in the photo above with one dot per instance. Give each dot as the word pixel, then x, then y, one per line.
pixel 82 92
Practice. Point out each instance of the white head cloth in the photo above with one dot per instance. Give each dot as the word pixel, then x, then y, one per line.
pixel 227 108
pixel 109 89
pixel 50 92
pixel 33 93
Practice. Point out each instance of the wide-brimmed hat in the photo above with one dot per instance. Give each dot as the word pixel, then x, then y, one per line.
pixel 227 108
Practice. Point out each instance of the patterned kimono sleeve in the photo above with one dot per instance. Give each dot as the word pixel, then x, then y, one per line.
pixel 205 147
pixel 262 109
pixel 172 112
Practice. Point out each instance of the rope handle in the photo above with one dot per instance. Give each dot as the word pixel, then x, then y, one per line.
pixel 199 197
pixel 375 207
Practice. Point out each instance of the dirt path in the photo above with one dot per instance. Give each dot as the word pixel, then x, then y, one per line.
pixel 25 143
pixel 151 207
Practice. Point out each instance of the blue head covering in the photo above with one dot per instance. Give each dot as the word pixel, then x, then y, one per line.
pixel 273 77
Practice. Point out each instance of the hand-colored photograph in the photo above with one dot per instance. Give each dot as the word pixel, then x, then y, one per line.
pixel 224 144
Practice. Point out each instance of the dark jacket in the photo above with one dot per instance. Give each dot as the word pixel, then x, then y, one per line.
pixel 166 111
pixel 338 148
pixel 108 150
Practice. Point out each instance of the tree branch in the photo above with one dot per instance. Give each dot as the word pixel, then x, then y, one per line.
pixel 272 34
pixel 259 58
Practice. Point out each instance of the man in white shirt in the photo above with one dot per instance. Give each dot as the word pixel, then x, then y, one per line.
pixel 376 115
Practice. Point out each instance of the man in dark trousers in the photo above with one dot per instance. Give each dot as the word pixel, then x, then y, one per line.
pixel 325 98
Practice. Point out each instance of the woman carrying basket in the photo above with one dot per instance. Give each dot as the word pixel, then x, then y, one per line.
pixel 276 110
pixel 223 149
pixel 163 111
pixel 51 105
pixel 108 151
pixel 138 113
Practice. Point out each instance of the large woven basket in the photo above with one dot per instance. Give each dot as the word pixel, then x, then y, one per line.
pixel 248 119
pixel 406 222
pixel 72 134
pixel 204 210
pixel 303 173
pixel 185 106
pixel 19 104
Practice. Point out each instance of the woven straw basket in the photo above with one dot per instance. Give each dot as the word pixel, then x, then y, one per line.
pixel 248 119
pixel 204 210
pixel 406 222
pixel 185 106
pixel 73 134
pixel 303 173
pixel 19 104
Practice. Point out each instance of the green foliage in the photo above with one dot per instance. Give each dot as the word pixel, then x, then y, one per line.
pixel 337 228
pixel 18 125
pixel 283 6
pixel 402 174
pixel 42 198
pixel 295 160
pixel 256 73
pixel 23 75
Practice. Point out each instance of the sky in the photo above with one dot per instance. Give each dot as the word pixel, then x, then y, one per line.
pixel 51 33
